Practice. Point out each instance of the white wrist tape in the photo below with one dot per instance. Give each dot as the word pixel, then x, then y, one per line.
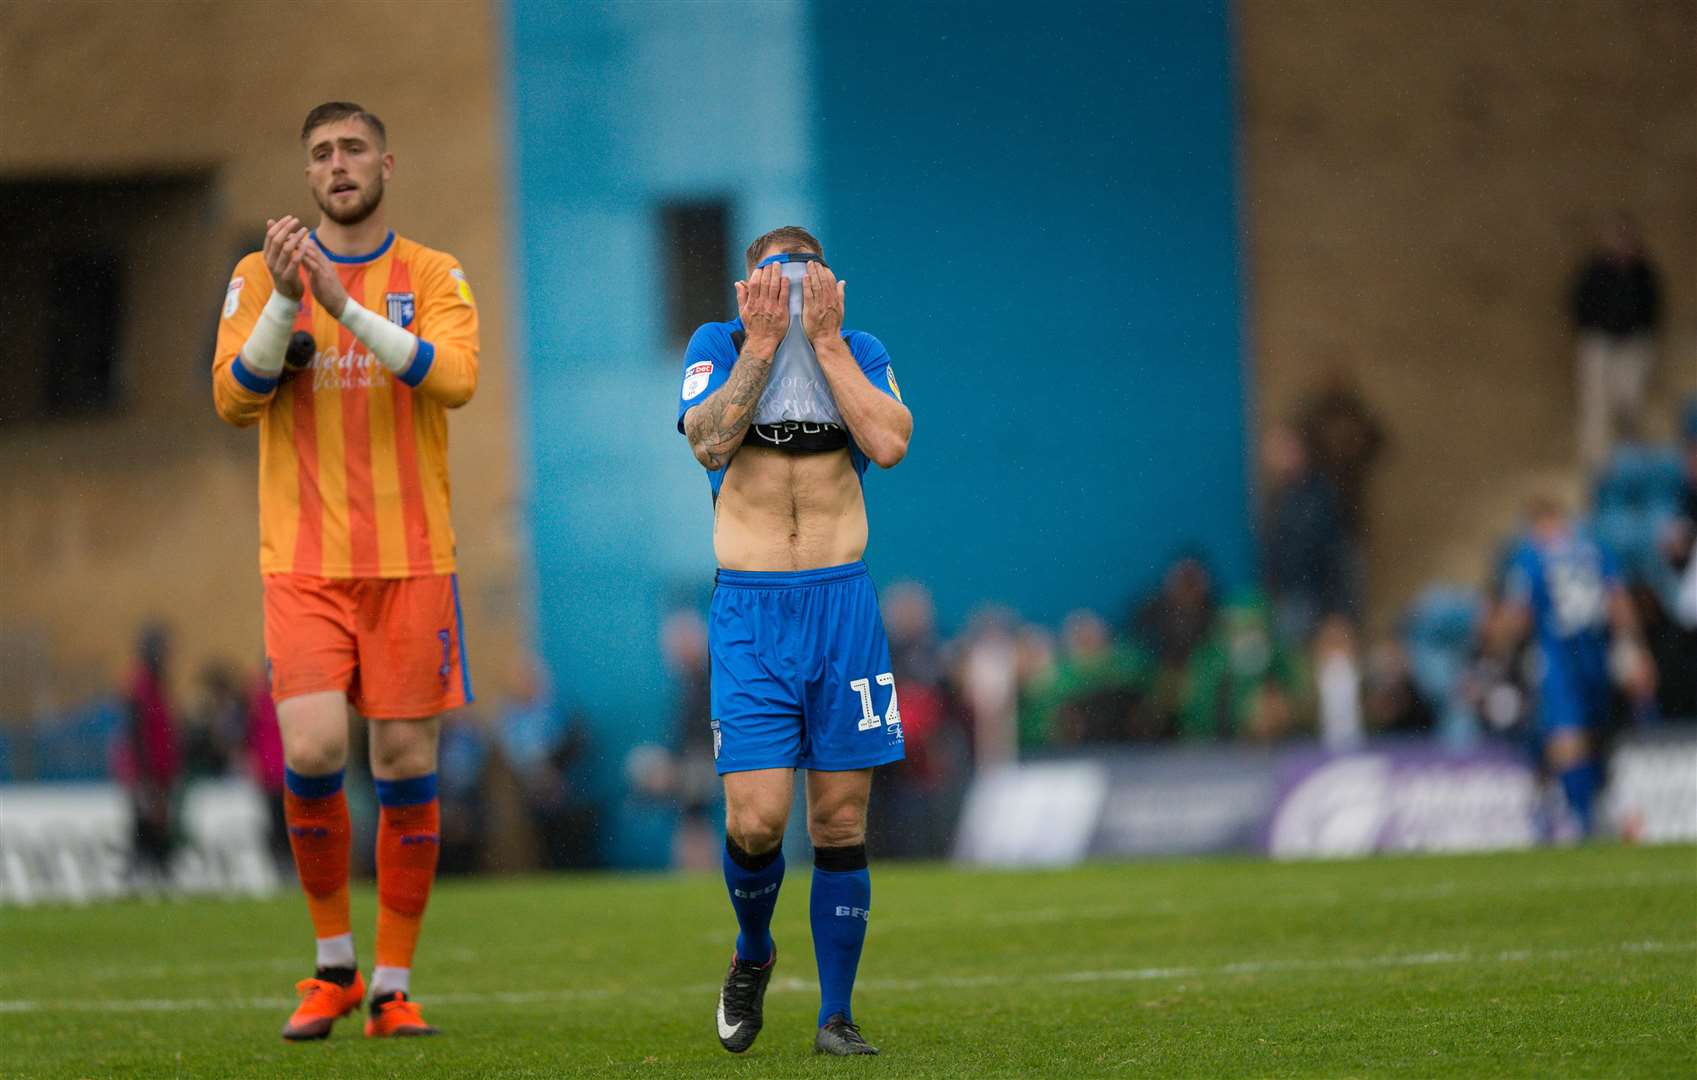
pixel 392 345
pixel 263 352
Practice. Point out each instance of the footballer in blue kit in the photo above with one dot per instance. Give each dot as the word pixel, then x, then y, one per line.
pixel 1566 592
pixel 786 410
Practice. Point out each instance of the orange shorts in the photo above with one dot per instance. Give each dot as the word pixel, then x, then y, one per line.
pixel 392 645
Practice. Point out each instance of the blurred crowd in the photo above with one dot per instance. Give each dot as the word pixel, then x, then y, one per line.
pixel 1294 656
pixel 520 765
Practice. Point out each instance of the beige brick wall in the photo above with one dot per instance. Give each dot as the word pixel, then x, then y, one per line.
pixel 154 511
pixel 1420 177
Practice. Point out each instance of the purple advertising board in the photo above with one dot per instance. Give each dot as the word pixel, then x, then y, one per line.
pixel 1306 802
pixel 1402 798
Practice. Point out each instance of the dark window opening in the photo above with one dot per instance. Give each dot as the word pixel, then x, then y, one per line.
pixel 83 310
pixel 69 262
pixel 695 254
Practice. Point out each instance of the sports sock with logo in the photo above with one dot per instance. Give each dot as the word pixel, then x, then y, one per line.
pixel 315 811
pixel 409 826
pixel 753 881
pixel 840 906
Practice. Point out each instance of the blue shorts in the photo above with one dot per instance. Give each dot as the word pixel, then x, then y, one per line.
pixel 1569 700
pixel 801 672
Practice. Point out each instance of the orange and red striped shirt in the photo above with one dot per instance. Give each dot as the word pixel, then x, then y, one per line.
pixel 353 461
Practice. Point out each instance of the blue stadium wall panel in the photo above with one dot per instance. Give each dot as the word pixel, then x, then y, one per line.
pixel 1034 208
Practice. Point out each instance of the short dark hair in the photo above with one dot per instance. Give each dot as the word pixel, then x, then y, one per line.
pixel 792 237
pixel 332 111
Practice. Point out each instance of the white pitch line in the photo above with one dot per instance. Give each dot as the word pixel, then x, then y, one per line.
pixel 184 971
pixel 959 982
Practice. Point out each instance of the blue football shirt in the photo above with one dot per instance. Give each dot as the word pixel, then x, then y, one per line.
pixel 1566 583
pixel 712 353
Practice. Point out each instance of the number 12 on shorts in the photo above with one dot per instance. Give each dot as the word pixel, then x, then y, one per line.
pixel 868 718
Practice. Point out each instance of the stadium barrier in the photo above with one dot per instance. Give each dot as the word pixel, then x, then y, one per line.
pixel 1309 803
pixel 74 842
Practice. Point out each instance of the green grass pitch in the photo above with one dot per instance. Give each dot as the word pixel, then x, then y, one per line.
pixel 1557 963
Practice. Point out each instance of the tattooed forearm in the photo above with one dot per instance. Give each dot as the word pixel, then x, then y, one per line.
pixel 716 426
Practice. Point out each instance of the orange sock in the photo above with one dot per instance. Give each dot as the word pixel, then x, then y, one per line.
pixel 316 813
pixel 408 842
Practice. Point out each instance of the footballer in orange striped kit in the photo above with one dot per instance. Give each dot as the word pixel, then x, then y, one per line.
pixel 347 345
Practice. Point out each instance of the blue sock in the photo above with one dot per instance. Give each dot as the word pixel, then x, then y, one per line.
pixel 752 881
pixel 841 903
pixel 1580 784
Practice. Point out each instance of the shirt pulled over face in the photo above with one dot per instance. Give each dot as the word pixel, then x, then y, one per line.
pixel 796 390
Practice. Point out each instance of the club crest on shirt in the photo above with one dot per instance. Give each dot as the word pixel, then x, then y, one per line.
pixel 460 285
pixel 233 296
pixel 695 378
pixel 400 307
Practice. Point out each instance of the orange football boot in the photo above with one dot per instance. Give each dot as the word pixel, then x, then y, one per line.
pixel 322 1004
pixel 395 1015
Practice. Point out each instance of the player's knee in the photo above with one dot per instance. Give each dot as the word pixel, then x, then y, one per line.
pixel 315 756
pixel 403 756
pixel 838 826
pixel 754 832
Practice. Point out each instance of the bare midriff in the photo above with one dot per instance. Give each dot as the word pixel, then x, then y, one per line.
pixel 782 511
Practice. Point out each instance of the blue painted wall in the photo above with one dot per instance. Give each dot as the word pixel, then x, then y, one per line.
pixel 1036 213
pixel 1036 216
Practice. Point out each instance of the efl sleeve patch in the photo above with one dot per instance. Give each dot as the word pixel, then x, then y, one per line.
pixel 461 286
pixel 233 296
pixel 696 377
pixel 890 377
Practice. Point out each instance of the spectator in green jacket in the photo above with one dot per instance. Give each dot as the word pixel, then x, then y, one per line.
pixel 1241 682
pixel 1100 689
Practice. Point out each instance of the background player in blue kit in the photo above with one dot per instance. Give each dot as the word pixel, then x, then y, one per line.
pixel 785 409
pixel 1563 588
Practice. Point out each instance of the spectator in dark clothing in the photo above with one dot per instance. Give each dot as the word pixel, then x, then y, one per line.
pixel 1390 702
pixel 1176 619
pixel 463 761
pixel 911 619
pixel 914 811
pixel 263 751
pixel 1616 307
pixel 1170 625
pixel 1672 634
pixel 1679 543
pixel 1674 650
pixel 219 726
pixel 1344 438
pixel 919 797
pixel 697 843
pixel 542 745
pixel 1307 545
pixel 151 759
